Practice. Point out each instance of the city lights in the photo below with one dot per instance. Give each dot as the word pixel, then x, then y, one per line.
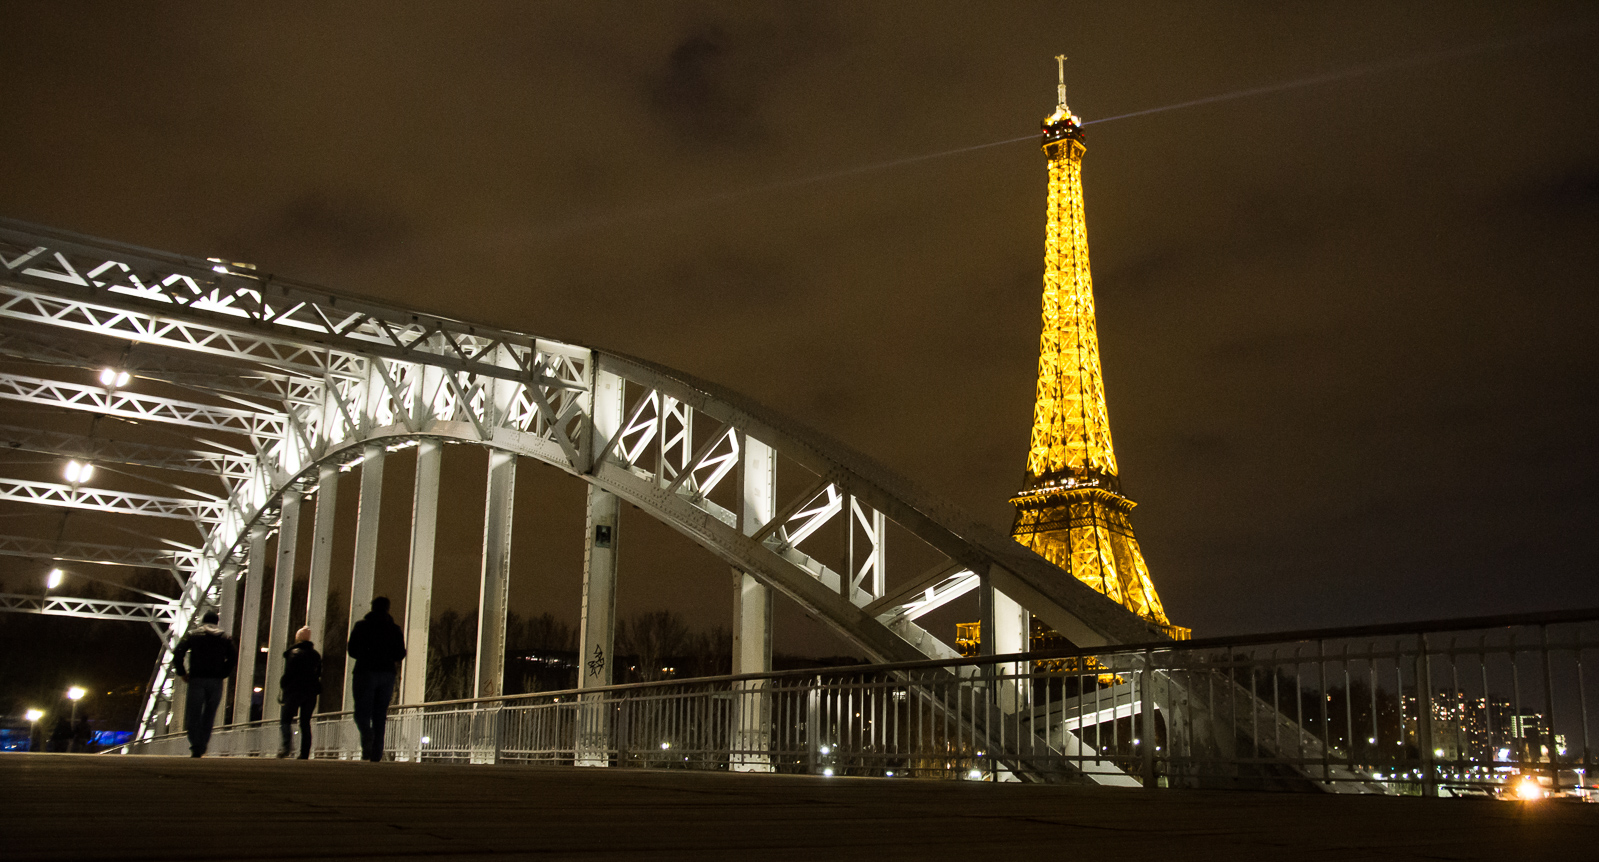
pixel 111 378
pixel 1528 790
pixel 77 472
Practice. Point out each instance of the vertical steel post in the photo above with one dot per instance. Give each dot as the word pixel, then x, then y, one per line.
pixel 495 583
pixel 1549 710
pixel 597 625
pixel 752 619
pixel 227 601
pixel 249 629
pixel 597 631
pixel 1011 635
pixel 1146 709
pixel 419 584
pixel 369 506
pixel 1429 777
pixel 278 634
pixel 179 713
pixel 316 591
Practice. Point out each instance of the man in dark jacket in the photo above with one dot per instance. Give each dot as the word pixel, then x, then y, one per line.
pixel 377 645
pixel 302 685
pixel 212 656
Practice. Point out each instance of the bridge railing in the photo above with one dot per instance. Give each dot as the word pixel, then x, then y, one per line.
pixel 1457 707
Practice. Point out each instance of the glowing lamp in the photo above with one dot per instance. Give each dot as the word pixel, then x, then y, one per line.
pixel 33 714
pixel 53 579
pixel 77 472
pixel 75 693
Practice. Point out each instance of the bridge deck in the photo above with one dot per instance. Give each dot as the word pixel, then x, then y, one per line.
pixel 87 807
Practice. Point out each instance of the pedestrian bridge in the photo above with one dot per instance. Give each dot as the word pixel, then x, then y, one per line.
pixel 272 388
pixel 1444 709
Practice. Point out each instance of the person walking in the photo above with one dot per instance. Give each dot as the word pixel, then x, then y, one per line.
pixel 301 686
pixel 378 646
pixel 211 658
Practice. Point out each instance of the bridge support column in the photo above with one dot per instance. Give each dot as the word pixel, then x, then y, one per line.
pixel 278 634
pixel 366 545
pixel 316 590
pixel 249 628
pixel 227 606
pixel 1011 634
pixel 752 621
pixel 178 706
pixel 419 585
pixel 496 579
pixel 598 629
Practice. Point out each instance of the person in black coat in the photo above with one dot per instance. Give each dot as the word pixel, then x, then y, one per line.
pixel 211 656
pixel 301 686
pixel 377 645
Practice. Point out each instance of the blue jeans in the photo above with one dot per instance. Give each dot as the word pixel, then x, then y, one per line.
pixel 373 691
pixel 205 695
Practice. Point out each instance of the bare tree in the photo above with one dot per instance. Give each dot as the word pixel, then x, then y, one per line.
pixel 654 638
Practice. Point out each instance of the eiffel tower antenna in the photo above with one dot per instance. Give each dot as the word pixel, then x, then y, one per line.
pixel 1060 89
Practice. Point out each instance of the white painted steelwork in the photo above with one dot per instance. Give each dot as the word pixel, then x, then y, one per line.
pixel 308 380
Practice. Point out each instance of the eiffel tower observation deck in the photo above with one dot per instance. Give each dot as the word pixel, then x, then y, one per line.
pixel 1071 509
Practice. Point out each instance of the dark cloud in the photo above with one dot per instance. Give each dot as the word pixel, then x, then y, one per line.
pixel 345 224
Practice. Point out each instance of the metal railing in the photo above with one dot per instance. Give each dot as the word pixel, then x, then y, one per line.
pixel 1456 707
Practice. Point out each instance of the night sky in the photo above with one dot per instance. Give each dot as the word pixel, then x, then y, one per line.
pixel 1346 327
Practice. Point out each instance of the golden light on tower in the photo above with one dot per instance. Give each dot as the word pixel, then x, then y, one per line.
pixel 1071 510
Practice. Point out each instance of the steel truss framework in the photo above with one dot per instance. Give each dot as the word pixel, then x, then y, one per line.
pixel 305 381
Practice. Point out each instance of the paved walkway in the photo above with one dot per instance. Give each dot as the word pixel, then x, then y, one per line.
pixel 63 806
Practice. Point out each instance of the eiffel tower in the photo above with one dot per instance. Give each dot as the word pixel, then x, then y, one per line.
pixel 1071 510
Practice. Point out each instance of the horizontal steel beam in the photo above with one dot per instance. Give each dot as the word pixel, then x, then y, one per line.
pixel 149 408
pixel 90 609
pixel 149 362
pixel 123 452
pixel 118 502
pixel 88 552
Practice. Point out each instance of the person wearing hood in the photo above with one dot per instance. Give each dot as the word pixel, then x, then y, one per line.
pixel 211 656
pixel 377 645
pixel 301 686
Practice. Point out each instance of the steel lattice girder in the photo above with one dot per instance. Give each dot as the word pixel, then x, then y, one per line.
pixel 253 385
pixel 94 609
pixel 127 405
pixel 227 466
pixel 102 500
pixel 89 552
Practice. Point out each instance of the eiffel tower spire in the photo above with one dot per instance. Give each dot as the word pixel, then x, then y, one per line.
pixel 1070 509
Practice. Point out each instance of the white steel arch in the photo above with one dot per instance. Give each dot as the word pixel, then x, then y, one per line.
pixel 305 380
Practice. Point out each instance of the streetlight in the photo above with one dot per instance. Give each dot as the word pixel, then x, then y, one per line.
pixel 53 580
pixel 74 694
pixel 33 716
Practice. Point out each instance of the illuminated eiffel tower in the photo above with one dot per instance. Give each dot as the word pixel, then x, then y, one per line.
pixel 1071 510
